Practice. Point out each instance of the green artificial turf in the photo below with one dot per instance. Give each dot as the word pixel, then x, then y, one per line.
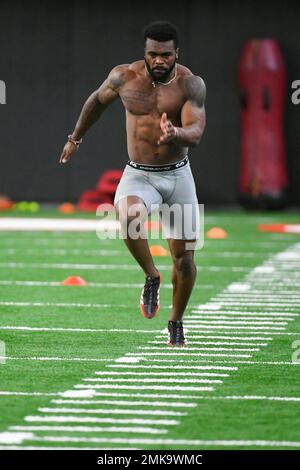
pixel 220 263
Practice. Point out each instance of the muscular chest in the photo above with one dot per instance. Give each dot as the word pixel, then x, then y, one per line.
pixel 152 100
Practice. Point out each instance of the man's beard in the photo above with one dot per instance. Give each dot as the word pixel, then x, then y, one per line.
pixel 163 77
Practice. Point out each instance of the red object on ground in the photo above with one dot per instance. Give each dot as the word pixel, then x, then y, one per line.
pixel 109 181
pixel 74 281
pixel 262 82
pixel 90 200
pixel 6 203
pixel 280 228
pixel 103 193
pixel 67 208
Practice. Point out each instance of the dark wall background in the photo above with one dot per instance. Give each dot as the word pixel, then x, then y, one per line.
pixel 54 54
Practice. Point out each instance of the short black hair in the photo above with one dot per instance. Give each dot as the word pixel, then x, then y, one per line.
pixel 161 31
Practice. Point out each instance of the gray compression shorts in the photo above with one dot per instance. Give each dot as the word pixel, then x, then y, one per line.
pixel 172 193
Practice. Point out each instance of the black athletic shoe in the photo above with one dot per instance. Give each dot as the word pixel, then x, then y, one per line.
pixel 149 303
pixel 176 334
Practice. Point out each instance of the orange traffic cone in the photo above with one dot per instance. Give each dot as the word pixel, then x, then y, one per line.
pixel 158 250
pixel 74 281
pixel 67 208
pixel 5 203
pixel 216 232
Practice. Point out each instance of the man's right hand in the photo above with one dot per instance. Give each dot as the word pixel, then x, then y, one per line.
pixel 67 152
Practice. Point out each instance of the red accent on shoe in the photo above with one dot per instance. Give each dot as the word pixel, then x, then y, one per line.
pixel 144 313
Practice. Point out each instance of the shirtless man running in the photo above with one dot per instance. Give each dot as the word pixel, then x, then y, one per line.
pixel 165 115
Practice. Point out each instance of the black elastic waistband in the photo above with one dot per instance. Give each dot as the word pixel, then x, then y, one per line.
pixel 171 166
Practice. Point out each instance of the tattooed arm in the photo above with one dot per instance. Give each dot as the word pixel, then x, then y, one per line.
pixel 94 107
pixel 192 116
pixel 192 113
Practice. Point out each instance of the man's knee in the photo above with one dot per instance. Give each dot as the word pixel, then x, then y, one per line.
pixel 130 209
pixel 184 264
pixel 132 215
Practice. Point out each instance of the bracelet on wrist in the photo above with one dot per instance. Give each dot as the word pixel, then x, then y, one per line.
pixel 74 141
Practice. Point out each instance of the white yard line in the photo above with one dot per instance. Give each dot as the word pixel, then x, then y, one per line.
pixel 162 347
pixel 27 394
pixel 186 353
pixel 231 306
pixel 198 313
pixel 216 343
pixel 170 442
pixel 86 238
pixel 62 252
pixel 209 317
pixel 109 394
pixel 277 285
pixel 233 322
pixel 60 304
pixel 265 303
pixel 9 447
pixel 152 380
pixel 141 357
pixel 66 305
pixel 274 289
pixel 112 285
pixel 252 296
pixel 222 327
pixel 101 252
pixel 146 387
pixel 274 333
pixel 224 337
pixel 170 374
pixel 91 429
pixel 119 267
pixel 115 411
pixel 251 397
pixel 76 330
pixel 7 282
pixel 217 361
pixel 55 359
pixel 144 395
pixel 33 224
pixel 172 366
pixel 92 419
pixel 108 285
pixel 81 305
pixel 158 404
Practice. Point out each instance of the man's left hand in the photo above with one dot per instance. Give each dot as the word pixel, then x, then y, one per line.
pixel 169 131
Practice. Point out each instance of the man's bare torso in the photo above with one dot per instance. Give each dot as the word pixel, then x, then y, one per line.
pixel 144 106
